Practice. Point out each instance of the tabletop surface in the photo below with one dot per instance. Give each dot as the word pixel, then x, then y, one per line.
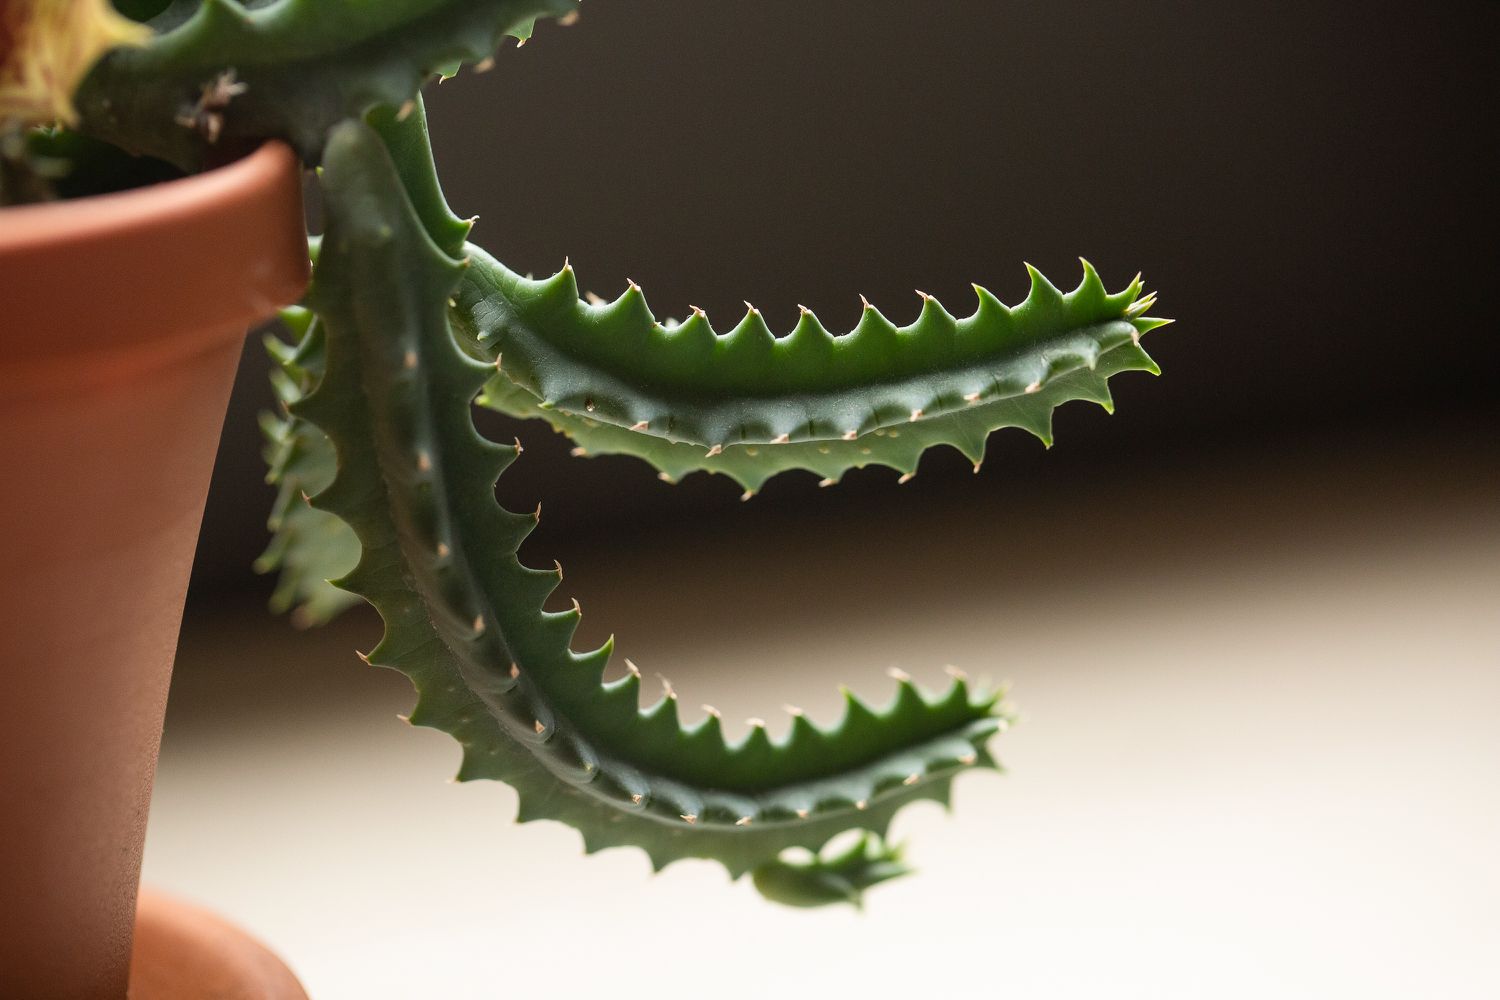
pixel 1257 756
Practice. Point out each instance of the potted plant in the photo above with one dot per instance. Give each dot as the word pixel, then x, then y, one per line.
pixel 404 326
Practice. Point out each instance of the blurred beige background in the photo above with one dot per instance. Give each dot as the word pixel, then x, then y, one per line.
pixel 1252 621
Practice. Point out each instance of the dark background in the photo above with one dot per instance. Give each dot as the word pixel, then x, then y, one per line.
pixel 1309 186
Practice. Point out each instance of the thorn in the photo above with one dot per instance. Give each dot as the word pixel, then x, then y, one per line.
pixel 782 439
pixel 558 566
pixel 968 758
pixel 916 414
pixel 636 798
pixel 746 495
pixel 750 309
pixel 536 515
pixel 593 299
pixel 569 19
pixel 640 425
pixel 972 397
pixel 1034 387
pixel 363 657
pixel 742 821
pixel 567 263
pixel 1135 336
pixel 755 723
pixel 699 312
pixel 666 478
pixel 577 608
pixel 517 445
pixel 578 452
pixel 520 43
pixel 515 670
pixel 905 478
pixel 862 805
pixel 485 65
pixel 479 624
pixel 924 295
pixel 977 465
pixel 850 435
pixel 825 483
pixel 670 694
pixel 803 309
pixel 911 779
pixel 306 498
pixel 443 550
pixel 801 813
pixel 405 111
pixel 899 675
pixel 865 303
pixel 635 671
pixel 540 729
pixel 631 286
pixel 955 673
pixel 409 360
pixel 690 818
pixel 424 461
pixel 713 711
pixel 500 362
pixel 717 449
pixel 793 711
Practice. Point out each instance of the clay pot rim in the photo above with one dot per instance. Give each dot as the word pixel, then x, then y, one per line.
pixel 157 207
pixel 216 251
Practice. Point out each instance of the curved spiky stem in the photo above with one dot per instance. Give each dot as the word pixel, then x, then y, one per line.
pixel 464 618
pixel 750 405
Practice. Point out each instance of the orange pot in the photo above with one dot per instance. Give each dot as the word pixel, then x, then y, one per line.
pixel 122 318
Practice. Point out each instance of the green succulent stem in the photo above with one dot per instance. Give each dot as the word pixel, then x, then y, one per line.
pixel 386 487
pixel 222 75
pixel 465 619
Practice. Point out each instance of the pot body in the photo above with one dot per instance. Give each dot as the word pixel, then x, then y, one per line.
pixel 122 318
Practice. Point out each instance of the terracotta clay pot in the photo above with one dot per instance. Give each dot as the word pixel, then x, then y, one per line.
pixel 122 318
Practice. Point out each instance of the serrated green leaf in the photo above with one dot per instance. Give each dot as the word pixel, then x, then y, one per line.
pixel 750 405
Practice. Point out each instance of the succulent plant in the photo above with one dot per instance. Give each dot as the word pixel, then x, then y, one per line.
pixel 381 468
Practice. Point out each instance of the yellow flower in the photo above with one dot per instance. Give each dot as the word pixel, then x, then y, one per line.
pixel 46 49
